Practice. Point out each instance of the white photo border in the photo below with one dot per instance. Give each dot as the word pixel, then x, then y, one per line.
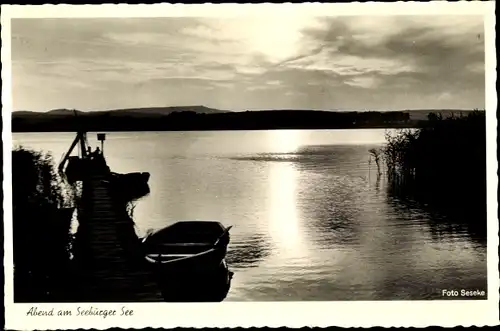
pixel 260 314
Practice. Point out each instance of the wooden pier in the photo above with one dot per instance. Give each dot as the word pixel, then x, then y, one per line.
pixel 110 262
pixel 112 267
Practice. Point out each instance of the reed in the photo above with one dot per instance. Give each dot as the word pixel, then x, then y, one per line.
pixel 443 163
pixel 376 154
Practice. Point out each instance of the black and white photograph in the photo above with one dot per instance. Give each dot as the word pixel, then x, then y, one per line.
pixel 289 156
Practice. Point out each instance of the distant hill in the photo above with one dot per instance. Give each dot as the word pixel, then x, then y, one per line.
pixel 204 118
pixel 136 112
pixel 415 114
pixel 68 112
pixel 169 110
pixel 20 113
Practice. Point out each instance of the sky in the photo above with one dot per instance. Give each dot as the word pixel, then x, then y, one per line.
pixel 249 62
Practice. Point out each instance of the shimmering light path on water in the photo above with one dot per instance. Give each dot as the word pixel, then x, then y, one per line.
pixel 312 220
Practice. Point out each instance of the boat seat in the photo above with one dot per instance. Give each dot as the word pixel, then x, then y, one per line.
pixel 169 255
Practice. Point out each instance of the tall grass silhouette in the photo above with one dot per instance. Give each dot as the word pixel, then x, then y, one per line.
pixel 442 163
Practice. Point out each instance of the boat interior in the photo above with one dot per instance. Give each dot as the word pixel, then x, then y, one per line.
pixel 188 239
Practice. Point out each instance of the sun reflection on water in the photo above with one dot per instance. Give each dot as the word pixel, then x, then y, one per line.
pixel 285 141
pixel 284 219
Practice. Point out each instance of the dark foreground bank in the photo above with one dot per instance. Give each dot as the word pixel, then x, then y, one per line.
pixel 42 213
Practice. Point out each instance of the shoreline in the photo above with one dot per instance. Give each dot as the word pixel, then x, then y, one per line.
pixel 230 129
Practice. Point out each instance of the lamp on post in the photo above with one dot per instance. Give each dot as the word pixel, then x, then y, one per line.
pixel 101 137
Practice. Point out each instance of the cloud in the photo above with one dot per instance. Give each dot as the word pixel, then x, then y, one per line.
pixel 363 81
pixel 294 61
pixel 445 96
pixel 439 52
pixel 347 65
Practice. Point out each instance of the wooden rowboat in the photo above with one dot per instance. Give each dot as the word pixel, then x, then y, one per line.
pixel 193 244
pixel 188 257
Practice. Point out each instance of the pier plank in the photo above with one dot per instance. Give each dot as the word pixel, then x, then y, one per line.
pixel 113 270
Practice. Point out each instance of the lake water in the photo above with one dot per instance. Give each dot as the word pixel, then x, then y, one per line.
pixel 312 221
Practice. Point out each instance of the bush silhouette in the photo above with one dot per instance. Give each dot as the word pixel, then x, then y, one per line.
pixel 41 228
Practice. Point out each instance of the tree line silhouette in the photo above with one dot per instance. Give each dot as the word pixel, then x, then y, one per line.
pixel 190 120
